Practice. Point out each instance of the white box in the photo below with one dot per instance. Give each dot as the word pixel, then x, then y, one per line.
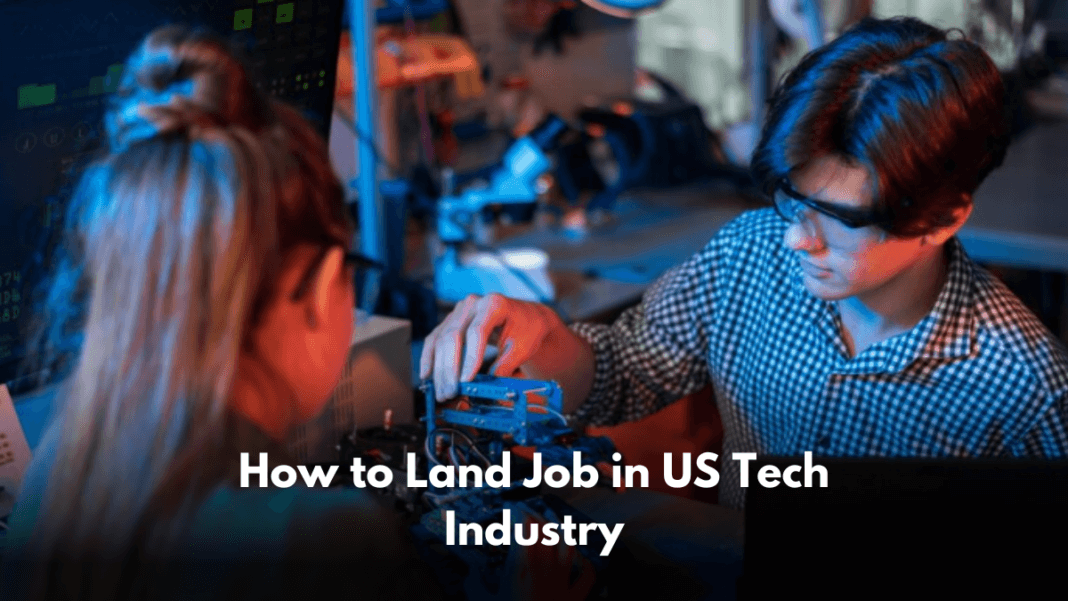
pixel 14 452
pixel 378 377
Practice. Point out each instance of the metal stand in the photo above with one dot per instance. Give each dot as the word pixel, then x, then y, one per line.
pixel 372 228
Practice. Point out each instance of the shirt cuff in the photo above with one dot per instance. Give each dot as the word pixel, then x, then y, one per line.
pixel 599 338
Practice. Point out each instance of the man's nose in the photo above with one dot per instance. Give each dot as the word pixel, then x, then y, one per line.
pixel 800 235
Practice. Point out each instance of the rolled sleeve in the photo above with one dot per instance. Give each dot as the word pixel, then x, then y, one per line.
pixel 656 352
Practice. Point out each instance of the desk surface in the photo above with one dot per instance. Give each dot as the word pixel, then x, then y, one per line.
pixel 617 260
pixel 1020 220
pixel 1021 211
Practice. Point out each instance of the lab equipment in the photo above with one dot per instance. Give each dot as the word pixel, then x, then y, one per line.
pixel 515 182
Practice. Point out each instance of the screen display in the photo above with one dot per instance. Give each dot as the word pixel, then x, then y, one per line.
pixel 62 58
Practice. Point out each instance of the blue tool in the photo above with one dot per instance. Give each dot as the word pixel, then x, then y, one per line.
pixel 525 423
pixel 499 413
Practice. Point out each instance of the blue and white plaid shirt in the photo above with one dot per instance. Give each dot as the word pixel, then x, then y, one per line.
pixel 978 376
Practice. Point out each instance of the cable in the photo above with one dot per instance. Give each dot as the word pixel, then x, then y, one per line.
pixel 431 456
pixel 548 410
pixel 559 415
pixel 474 447
pixel 452 451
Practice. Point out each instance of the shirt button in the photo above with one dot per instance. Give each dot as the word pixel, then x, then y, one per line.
pixel 823 442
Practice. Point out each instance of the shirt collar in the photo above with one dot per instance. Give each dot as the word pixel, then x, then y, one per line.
pixel 821 314
pixel 947 332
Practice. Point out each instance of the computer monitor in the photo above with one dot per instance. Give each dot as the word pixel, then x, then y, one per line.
pixel 61 59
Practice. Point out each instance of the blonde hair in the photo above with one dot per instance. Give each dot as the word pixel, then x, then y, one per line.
pixel 181 230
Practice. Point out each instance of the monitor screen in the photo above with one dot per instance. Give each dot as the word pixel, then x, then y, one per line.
pixel 63 57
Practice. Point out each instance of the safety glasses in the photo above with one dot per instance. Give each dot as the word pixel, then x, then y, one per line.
pixel 790 204
pixel 361 266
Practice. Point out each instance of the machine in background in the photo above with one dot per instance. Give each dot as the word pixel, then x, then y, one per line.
pixel 515 182
pixel 652 145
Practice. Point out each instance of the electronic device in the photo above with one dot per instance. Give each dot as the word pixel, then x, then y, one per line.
pixel 524 423
pixel 646 144
pixel 493 415
pixel 63 57
pixel 514 182
pixel 653 144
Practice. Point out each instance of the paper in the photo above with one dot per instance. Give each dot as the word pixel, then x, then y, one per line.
pixel 14 451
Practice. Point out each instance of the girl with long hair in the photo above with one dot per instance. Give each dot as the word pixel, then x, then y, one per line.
pixel 212 250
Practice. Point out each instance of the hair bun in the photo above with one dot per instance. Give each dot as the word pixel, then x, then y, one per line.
pixel 182 80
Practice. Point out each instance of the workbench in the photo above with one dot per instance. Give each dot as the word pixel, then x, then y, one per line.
pixel 1020 220
pixel 648 233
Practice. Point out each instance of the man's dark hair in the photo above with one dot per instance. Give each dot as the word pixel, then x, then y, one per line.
pixel 924 113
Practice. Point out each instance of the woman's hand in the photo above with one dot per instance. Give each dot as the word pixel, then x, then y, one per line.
pixel 454 351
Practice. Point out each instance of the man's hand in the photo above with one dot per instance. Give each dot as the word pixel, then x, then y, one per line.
pixel 453 352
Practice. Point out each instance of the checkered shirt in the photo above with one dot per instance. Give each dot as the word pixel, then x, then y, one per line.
pixel 978 376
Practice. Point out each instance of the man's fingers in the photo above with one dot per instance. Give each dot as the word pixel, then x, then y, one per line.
pixel 446 364
pixel 444 354
pixel 454 351
pixel 476 338
pixel 489 315
pixel 506 353
pixel 515 353
pixel 426 358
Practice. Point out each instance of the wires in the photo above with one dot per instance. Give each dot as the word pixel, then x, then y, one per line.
pixel 462 454
pixel 430 444
pixel 548 410
pixel 556 413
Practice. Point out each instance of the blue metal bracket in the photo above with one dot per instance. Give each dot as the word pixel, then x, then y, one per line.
pixel 488 410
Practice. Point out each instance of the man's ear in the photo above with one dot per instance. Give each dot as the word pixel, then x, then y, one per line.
pixel 941 235
pixel 329 271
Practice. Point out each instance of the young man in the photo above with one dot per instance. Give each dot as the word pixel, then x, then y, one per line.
pixel 850 323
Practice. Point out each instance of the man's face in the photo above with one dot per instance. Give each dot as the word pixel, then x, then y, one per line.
pixel 837 261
